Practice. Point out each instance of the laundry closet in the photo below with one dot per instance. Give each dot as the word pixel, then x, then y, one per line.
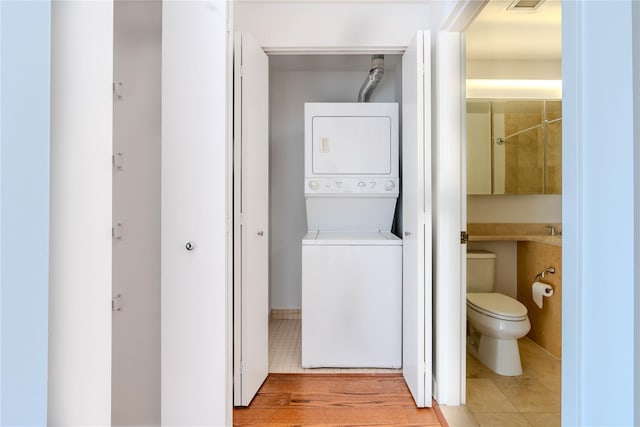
pixel 324 235
pixel 350 280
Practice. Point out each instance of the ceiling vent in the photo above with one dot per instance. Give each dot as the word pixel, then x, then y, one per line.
pixel 525 5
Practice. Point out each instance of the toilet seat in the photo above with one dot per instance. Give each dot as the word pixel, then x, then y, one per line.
pixel 497 305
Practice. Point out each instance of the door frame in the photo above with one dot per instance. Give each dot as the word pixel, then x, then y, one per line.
pixel 462 16
pixel 230 199
pixel 455 388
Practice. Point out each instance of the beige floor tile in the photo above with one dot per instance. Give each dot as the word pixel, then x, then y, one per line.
pixel 484 396
pixel 538 364
pixel 475 369
pixel 535 395
pixel 543 420
pixel 529 394
pixel 551 381
pixel 501 420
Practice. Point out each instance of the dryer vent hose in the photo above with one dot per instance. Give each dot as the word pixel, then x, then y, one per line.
pixel 373 79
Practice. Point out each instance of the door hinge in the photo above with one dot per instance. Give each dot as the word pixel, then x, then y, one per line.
pixel 118 90
pixel 118 161
pixel 116 303
pixel 464 237
pixel 116 231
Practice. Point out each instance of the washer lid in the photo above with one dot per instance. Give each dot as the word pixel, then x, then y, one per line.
pixel 351 238
pixel 497 305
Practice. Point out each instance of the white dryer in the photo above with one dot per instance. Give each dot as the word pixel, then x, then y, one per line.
pixel 351 262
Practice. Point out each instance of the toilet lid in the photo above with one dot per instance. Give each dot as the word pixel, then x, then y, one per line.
pixel 497 305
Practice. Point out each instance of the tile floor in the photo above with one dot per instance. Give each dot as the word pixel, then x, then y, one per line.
pixel 532 399
pixel 285 346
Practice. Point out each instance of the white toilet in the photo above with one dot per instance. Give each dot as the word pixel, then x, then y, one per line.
pixel 496 321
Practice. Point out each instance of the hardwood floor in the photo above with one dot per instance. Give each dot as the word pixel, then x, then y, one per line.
pixel 335 400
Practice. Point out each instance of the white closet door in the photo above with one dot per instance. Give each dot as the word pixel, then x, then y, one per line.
pixel 251 220
pixel 193 210
pixel 416 178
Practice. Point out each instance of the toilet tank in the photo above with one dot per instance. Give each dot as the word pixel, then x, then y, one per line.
pixel 481 271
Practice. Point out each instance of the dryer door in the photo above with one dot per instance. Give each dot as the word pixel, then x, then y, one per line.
pixel 351 145
pixel 351 139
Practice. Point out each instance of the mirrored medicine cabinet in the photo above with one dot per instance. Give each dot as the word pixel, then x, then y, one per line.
pixel 514 146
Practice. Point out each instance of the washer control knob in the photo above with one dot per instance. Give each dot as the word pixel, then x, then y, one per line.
pixel 361 184
pixel 372 184
pixel 338 184
pixel 314 185
pixel 390 185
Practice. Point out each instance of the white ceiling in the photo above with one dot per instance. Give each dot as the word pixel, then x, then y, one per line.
pixel 501 34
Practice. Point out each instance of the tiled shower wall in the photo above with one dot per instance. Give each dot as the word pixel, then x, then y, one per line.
pixel 528 157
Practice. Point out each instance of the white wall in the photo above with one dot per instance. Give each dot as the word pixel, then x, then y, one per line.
pixel 293 82
pixel 79 388
pixel 504 69
pixel 136 204
pixel 359 25
pixel 195 306
pixel 599 340
pixel 514 208
pixel 25 31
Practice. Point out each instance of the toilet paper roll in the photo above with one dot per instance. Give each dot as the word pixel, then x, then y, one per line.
pixel 540 290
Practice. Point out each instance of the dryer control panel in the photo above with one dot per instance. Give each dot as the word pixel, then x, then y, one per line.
pixel 352 186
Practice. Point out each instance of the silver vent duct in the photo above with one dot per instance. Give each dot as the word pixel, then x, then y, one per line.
pixel 374 77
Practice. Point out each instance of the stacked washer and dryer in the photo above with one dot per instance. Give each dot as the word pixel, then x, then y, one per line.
pixel 351 262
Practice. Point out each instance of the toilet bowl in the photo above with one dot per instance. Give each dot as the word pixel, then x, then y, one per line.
pixel 496 321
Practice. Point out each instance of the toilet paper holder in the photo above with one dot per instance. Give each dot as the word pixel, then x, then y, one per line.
pixel 550 270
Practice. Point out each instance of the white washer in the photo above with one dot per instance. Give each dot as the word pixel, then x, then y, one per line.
pixel 351 300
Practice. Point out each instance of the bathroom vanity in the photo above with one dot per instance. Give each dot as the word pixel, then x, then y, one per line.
pixel 520 232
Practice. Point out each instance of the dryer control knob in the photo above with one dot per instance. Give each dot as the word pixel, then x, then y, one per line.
pixel 314 185
pixel 361 184
pixel 372 184
pixel 390 185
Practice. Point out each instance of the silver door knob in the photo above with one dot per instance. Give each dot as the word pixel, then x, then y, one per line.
pixel 190 246
pixel 260 233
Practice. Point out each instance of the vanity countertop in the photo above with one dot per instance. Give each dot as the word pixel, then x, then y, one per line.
pixel 481 232
pixel 551 240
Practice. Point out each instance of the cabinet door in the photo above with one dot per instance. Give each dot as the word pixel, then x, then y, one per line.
pixel 251 219
pixel 416 217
